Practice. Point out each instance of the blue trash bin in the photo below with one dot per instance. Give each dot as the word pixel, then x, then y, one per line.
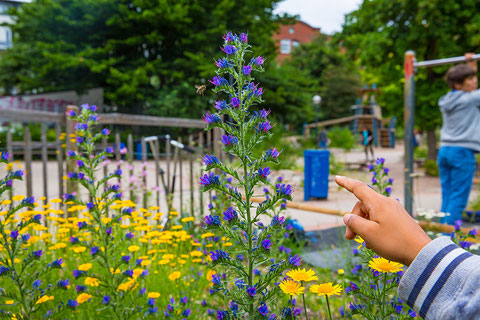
pixel 317 168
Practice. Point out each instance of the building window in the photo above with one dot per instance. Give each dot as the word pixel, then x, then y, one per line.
pixel 285 46
pixel 3 9
pixel 291 30
pixel 295 43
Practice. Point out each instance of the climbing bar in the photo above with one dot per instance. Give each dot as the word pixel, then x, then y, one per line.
pixel 440 62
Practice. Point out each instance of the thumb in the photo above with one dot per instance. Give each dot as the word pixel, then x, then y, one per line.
pixel 360 226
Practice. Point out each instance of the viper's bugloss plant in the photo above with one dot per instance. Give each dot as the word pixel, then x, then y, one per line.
pixel 253 266
pixel 111 286
pixel 26 287
pixel 374 281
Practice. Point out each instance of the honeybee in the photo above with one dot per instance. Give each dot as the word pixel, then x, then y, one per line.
pixel 201 89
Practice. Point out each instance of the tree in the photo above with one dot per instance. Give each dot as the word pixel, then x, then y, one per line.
pixel 144 53
pixel 380 31
pixel 332 75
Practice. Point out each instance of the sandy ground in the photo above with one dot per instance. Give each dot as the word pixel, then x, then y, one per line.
pixel 427 191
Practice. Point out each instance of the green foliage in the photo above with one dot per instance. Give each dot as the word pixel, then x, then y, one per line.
pixel 333 77
pixel 431 168
pixel 380 31
pixel 143 53
pixel 341 138
pixel 420 153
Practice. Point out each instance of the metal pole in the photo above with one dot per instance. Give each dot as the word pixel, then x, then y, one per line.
pixel 317 142
pixel 409 113
pixel 439 62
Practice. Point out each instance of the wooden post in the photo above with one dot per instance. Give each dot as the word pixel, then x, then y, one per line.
pixel 180 163
pixel 28 160
pixel 105 165
pixel 71 145
pixel 216 146
pixel 44 161
pixel 167 151
pixel 144 177
pixel 192 204
pixel 59 159
pixel 209 146
pixel 154 145
pixel 10 141
pixel 118 156
pixel 130 161
pixel 200 143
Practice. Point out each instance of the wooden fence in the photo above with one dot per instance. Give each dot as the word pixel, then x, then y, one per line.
pixel 171 157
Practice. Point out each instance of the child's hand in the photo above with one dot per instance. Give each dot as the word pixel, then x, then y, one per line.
pixel 383 223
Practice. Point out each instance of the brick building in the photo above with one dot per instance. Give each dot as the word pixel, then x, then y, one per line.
pixel 290 36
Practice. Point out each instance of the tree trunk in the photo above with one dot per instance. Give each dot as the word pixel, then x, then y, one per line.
pixel 432 145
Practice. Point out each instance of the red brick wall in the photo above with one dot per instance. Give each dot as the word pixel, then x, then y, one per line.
pixel 302 32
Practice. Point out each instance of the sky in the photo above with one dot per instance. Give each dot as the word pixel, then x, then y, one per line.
pixel 324 14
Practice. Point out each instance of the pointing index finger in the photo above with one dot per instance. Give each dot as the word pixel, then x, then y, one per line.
pixel 363 192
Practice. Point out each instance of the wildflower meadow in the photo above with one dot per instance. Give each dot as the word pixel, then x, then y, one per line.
pixel 103 252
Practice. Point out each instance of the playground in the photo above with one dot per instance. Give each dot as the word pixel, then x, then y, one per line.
pixel 233 161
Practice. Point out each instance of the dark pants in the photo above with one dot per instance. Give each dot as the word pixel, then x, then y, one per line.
pixel 370 145
pixel 457 167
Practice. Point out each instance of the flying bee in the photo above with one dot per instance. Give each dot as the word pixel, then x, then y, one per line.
pixel 201 89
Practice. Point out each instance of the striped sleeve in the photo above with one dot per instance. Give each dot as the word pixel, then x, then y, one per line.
pixel 443 282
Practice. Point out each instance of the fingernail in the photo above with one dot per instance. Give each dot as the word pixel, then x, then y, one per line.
pixel 339 177
pixel 346 218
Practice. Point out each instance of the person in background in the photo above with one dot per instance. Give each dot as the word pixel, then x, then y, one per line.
pixel 323 139
pixel 442 280
pixel 459 138
pixel 368 142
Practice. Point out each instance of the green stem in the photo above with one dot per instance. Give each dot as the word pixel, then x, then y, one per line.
pixel 344 298
pixel 328 306
pixel 291 301
pixel 384 293
pixel 304 305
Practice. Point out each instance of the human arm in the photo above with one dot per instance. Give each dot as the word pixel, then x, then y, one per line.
pixel 471 63
pixel 442 281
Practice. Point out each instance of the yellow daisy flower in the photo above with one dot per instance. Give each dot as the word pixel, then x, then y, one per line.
pixel 154 295
pixel 44 298
pixel 92 282
pixel 291 287
pixel 83 297
pixel 383 265
pixel 300 275
pixel 174 275
pixel 326 289
pixel 133 248
pixel 85 267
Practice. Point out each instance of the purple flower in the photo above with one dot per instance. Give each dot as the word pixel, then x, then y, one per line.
pixel 5 155
pixel 57 263
pixel 257 61
pixel 80 163
pixel 458 224
pixel 212 220
pixel 228 37
pixel 72 304
pixel 374 180
pixel 106 299
pixel 210 179
pixel 235 102
pixel 263 309
pixel 284 190
pixel 218 81
pixel 229 49
pixel 267 244
pixel 106 132
pixel 264 172
pixel 258 92
pixel 243 37
pixel 9 183
pixel 252 291
pixel 472 232
pixel 186 312
pixel 222 63
pixel 390 180
pixel 277 220
pixel 128 273
pixel 229 140
pixel 109 150
pixel 353 286
pixel 94 250
pixel 108 231
pixel 219 255
pixel 37 283
pixel 28 201
pixel 184 300
pixel 14 234
pixel 246 70
pixel 271 153
pixel 71 153
pixel 386 170
pixel 37 254
pixel 216 280
pixel 81 224
pixel 18 173
pixel 211 118
pixel 90 205
pixel 126 259
pixel 388 190
pixel 209 160
pixel 221 314
pixel 25 237
pixel 71 113
pixel 230 214
pixel 465 244
pixel 220 105
pixel 380 161
pixel 93 117
pixel 63 283
pixel 264 126
pixel 294 261
pixel 79 139
pixel 370 167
